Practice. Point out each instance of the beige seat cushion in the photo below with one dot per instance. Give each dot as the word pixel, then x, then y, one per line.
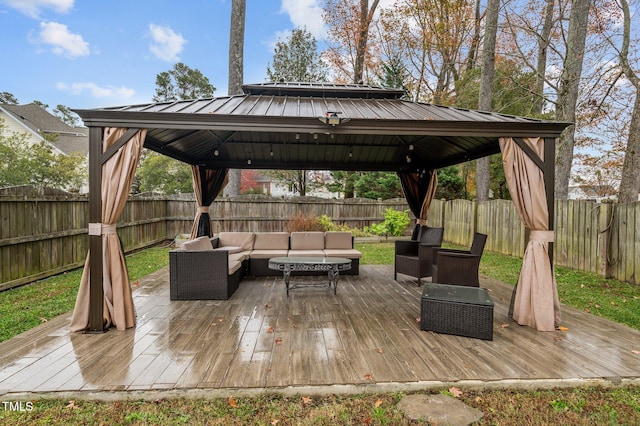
pixel 230 249
pixel 307 240
pixel 234 265
pixel 348 253
pixel 198 244
pixel 239 256
pixel 338 240
pixel 267 254
pixel 271 241
pixel 306 253
pixel 237 239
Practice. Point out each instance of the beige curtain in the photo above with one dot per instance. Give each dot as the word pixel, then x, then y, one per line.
pixel 536 302
pixel 207 185
pixel 117 176
pixel 419 188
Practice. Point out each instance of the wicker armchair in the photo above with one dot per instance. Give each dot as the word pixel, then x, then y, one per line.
pixel 459 267
pixel 203 274
pixel 415 257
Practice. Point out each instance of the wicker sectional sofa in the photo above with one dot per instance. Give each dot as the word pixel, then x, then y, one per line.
pixel 206 268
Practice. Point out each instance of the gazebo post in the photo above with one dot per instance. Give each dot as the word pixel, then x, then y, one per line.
pixel 96 291
pixel 549 175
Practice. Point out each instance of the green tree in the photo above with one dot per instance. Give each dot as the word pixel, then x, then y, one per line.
pixel 297 59
pixel 450 184
pixel 159 173
pixel 22 163
pixel 394 75
pixel 180 83
pixel 41 105
pixel 342 181
pixel 8 98
pixel 378 185
pixel 65 114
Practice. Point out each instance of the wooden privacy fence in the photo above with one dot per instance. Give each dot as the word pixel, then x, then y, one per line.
pixel 603 238
pixel 44 235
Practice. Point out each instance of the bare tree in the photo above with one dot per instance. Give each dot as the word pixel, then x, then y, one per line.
pixel 543 45
pixel 569 91
pixel 630 182
pixel 486 90
pixel 236 70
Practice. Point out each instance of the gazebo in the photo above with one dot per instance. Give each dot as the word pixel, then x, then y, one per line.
pixel 315 127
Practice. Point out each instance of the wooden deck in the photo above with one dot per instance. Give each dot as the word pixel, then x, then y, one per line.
pixel 366 338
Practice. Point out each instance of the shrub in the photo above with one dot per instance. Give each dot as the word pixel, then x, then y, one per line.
pixel 394 224
pixel 303 222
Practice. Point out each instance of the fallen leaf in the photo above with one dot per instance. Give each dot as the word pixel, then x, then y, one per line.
pixel 43 319
pixel 368 376
pixel 232 402
pixel 378 403
pixel 136 284
pixel 561 328
pixel 503 325
pixel 379 351
pixel 306 400
pixel 635 351
pixel 418 319
pixel 270 329
pixel 72 405
pixel 597 305
pixel 278 341
pixel 267 306
pixel 478 399
pixel 456 392
pixel 275 421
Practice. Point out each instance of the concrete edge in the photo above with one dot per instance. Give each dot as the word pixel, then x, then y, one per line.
pixel 320 390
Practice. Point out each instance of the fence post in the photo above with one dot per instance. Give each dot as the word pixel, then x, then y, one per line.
pixel 605 221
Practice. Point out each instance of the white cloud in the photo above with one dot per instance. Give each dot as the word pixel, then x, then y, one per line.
pixel 62 41
pixel 96 91
pixel 167 44
pixel 305 13
pixel 33 8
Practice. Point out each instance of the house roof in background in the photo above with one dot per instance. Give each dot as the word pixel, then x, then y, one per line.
pixel 285 126
pixel 70 139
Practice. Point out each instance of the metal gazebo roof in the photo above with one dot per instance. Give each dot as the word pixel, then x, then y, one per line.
pixel 318 126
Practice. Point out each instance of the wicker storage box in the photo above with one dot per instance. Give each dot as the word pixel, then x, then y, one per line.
pixel 460 310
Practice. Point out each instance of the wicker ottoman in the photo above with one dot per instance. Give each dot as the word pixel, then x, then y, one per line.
pixel 460 310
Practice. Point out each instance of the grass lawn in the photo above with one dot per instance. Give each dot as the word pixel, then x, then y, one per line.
pixel 610 299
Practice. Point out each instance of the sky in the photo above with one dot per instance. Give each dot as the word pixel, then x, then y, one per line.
pixel 99 53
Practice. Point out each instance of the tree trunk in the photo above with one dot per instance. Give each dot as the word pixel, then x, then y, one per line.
pixel 541 64
pixel 486 90
pixel 236 47
pixel 475 40
pixel 630 181
pixel 236 70
pixel 366 15
pixel 568 93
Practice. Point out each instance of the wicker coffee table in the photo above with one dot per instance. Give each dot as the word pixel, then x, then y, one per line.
pixel 455 309
pixel 332 265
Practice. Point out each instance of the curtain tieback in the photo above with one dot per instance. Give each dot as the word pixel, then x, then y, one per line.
pixel 203 209
pixel 102 229
pixel 421 221
pixel 542 236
